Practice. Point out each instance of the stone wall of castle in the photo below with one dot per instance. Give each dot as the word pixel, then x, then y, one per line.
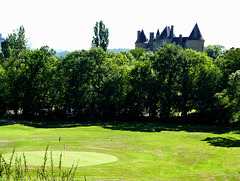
pixel 141 45
pixel 197 45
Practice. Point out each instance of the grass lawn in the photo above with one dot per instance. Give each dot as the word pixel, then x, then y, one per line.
pixel 133 151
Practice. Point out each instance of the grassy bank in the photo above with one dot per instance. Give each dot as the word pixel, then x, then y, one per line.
pixel 143 151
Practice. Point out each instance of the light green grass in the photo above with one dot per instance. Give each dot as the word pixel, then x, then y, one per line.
pixel 164 155
pixel 69 158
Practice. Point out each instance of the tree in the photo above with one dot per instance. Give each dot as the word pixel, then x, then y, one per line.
pixel 115 84
pixel 184 84
pixel 83 73
pixel 11 88
pixel 37 71
pixel 167 64
pixel 230 97
pixel 15 43
pixel 139 97
pixel 137 52
pixel 2 102
pixel 214 51
pixel 228 63
pixel 100 38
pixel 28 81
pixel 76 85
pixel 205 79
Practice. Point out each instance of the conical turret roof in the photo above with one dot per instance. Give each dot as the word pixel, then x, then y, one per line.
pixel 142 38
pixel 196 34
pixel 158 33
pixel 166 32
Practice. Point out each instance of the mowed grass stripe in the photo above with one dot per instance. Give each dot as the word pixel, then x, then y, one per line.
pixel 164 155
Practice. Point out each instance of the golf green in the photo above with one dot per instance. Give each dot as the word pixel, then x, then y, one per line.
pixel 35 158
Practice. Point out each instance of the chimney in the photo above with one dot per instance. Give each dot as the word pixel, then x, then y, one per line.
pixel 180 39
pixel 171 34
pixel 138 35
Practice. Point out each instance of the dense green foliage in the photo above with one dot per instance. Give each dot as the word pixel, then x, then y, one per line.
pixel 214 51
pixel 14 44
pixel 96 83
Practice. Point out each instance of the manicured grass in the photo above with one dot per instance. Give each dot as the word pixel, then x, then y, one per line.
pixel 69 158
pixel 150 152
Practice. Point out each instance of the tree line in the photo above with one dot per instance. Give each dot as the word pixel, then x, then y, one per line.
pixel 96 83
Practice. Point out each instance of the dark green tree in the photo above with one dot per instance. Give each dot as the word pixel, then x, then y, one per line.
pixel 28 81
pixel 37 71
pixel 83 74
pixel 15 43
pixel 167 64
pixel 140 79
pixel 230 98
pixel 214 51
pixel 115 84
pixel 76 86
pixel 2 102
pixel 184 84
pixel 205 79
pixel 101 34
pixel 11 84
pixel 95 82
pixel 229 63
pixel 137 52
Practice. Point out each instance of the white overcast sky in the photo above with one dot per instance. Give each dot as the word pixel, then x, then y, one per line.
pixel 68 24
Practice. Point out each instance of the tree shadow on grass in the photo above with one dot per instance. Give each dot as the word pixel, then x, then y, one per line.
pixel 223 142
pixel 43 123
pixel 164 126
pixel 136 125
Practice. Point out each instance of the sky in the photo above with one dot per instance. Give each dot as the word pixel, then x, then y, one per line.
pixel 68 24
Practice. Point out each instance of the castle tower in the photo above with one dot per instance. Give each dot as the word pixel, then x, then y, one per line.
pixel 151 42
pixel 195 41
pixel 142 41
pixel 165 35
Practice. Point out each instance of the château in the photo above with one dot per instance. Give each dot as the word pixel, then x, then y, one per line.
pixel 195 40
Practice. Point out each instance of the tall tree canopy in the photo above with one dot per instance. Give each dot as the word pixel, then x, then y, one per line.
pixel 214 51
pixel 96 83
pixel 15 43
pixel 230 98
pixel 100 38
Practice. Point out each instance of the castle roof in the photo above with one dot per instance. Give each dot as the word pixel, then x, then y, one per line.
pixel 166 32
pixel 158 33
pixel 195 34
pixel 142 38
pixel 179 41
